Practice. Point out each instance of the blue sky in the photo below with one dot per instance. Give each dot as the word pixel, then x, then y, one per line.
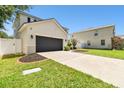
pixel 77 18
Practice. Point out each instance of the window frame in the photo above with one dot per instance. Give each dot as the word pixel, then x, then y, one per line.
pixel 88 43
pixel 103 42
pixel 35 20
pixel 28 19
pixel 96 34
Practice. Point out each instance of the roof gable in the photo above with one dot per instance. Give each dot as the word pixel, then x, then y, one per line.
pixel 24 13
pixel 31 23
pixel 95 28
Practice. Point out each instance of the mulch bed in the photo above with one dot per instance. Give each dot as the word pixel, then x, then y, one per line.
pixel 32 58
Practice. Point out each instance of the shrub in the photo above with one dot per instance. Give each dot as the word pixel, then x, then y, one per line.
pixel 66 48
pixel 69 44
pixel 117 43
pixel 74 43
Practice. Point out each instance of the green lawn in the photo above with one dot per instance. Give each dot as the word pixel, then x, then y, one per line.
pixel 106 53
pixel 52 75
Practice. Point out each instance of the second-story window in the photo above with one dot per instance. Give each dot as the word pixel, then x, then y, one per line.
pixel 96 34
pixel 28 19
pixel 35 20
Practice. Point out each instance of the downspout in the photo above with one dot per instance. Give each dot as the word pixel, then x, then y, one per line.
pixel 113 36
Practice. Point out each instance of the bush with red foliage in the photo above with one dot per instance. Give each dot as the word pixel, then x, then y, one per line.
pixel 117 43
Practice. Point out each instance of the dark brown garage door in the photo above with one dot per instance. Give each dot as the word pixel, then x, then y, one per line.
pixel 48 44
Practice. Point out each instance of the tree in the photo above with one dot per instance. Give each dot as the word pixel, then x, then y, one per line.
pixel 3 34
pixel 7 13
pixel 74 43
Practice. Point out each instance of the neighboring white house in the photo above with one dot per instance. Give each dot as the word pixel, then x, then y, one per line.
pixel 121 36
pixel 38 35
pixel 99 37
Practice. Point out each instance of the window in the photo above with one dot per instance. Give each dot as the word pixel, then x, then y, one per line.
pixel 102 42
pixel 35 20
pixel 88 43
pixel 96 34
pixel 29 19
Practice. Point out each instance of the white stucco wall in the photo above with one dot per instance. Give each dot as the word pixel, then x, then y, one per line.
pixel 23 37
pixel 23 18
pixel 20 20
pixel 45 28
pixel 10 46
pixel 103 34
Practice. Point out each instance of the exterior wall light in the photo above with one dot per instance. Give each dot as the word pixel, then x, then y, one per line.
pixel 31 28
pixel 31 36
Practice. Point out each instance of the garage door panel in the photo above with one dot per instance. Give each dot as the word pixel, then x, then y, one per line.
pixel 48 44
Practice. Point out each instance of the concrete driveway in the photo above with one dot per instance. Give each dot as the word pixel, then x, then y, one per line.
pixel 107 69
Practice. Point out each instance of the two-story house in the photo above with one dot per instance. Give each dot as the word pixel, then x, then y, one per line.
pixel 99 37
pixel 37 34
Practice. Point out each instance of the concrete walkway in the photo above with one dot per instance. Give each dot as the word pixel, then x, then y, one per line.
pixel 107 69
